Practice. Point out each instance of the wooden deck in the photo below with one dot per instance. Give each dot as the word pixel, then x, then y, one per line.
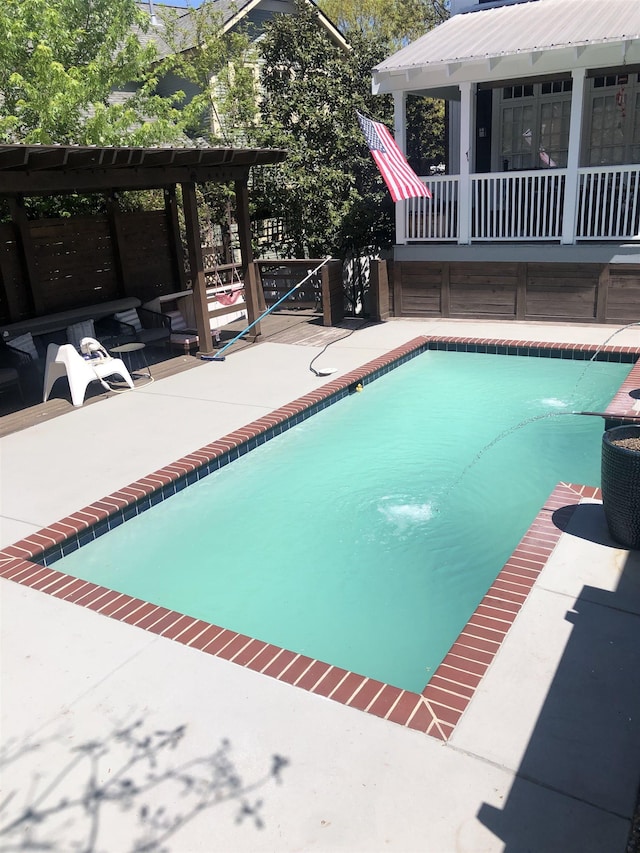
pixel 300 327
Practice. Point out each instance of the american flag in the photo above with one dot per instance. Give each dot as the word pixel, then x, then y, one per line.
pixel 398 175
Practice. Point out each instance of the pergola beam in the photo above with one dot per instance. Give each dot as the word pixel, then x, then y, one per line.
pixel 88 181
pixel 52 169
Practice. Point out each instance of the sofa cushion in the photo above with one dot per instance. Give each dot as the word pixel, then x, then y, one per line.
pixel 26 344
pixel 78 331
pixel 130 317
pixel 151 336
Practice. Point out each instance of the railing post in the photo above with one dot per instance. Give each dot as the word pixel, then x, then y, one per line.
pixel 332 293
pixel 466 155
pixel 573 158
pixel 379 290
pixel 400 134
pixel 244 236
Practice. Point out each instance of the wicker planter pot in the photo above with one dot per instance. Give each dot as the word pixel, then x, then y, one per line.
pixel 621 485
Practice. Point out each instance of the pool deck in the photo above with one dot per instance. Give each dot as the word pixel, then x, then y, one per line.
pixel 113 736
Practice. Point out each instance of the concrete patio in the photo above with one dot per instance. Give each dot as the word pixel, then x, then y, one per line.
pixel 116 739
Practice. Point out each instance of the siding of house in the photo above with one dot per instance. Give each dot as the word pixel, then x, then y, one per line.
pixel 171 84
pixel 563 292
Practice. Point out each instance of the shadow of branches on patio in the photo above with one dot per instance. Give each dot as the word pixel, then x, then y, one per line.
pixel 124 785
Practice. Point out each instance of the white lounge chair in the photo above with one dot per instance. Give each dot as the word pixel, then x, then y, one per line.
pixel 66 360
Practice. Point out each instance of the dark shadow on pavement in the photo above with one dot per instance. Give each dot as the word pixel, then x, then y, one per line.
pixel 585 520
pixel 576 787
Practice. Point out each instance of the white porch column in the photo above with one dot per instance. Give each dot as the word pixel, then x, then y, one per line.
pixel 466 156
pixel 400 135
pixel 573 157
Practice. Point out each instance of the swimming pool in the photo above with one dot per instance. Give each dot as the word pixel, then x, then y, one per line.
pixel 363 494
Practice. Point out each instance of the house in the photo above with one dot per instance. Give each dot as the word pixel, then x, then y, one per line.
pixel 249 17
pixel 538 214
pixel 252 14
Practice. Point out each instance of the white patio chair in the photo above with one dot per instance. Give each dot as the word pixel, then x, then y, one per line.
pixel 80 372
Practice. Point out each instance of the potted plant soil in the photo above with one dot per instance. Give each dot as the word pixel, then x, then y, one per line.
pixel 620 479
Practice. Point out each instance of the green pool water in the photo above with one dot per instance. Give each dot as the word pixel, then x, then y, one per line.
pixel 366 536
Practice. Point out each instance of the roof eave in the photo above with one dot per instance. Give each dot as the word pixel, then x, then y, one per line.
pixel 484 68
pixel 334 33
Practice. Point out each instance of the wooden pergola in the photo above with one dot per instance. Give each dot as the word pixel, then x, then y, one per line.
pixel 44 170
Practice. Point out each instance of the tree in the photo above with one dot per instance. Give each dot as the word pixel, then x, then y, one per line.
pixel 392 22
pixel 217 68
pixel 95 72
pixel 60 60
pixel 328 189
pixel 218 72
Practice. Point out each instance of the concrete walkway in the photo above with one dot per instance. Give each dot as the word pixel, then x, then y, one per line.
pixel 118 740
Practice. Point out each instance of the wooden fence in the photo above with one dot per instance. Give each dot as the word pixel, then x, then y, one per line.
pixel 55 264
pixel 51 265
pixel 279 277
pixel 63 263
pixel 566 292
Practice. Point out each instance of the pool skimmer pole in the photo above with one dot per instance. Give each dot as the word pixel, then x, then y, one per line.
pixel 220 357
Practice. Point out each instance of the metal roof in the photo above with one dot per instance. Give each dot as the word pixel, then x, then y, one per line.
pixel 56 168
pixel 539 25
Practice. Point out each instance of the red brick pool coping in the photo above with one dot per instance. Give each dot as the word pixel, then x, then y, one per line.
pixel 438 708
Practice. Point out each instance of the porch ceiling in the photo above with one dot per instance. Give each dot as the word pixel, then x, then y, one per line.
pixel 43 169
pixel 526 39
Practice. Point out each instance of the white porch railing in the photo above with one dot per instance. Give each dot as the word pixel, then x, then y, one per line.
pixel 608 203
pixel 529 206
pixel 517 205
pixel 434 218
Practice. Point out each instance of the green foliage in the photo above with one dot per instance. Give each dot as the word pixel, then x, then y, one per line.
pixel 328 189
pixel 393 23
pixel 60 61
pixel 219 70
pixel 63 207
pixel 425 133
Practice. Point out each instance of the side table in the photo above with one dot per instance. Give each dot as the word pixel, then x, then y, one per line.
pixel 127 350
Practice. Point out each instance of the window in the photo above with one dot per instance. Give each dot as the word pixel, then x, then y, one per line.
pixel 556 87
pixel 534 125
pixel 613 131
pixel 517 92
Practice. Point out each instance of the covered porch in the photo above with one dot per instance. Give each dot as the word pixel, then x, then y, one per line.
pixel 302 327
pixel 585 204
pixel 543 103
